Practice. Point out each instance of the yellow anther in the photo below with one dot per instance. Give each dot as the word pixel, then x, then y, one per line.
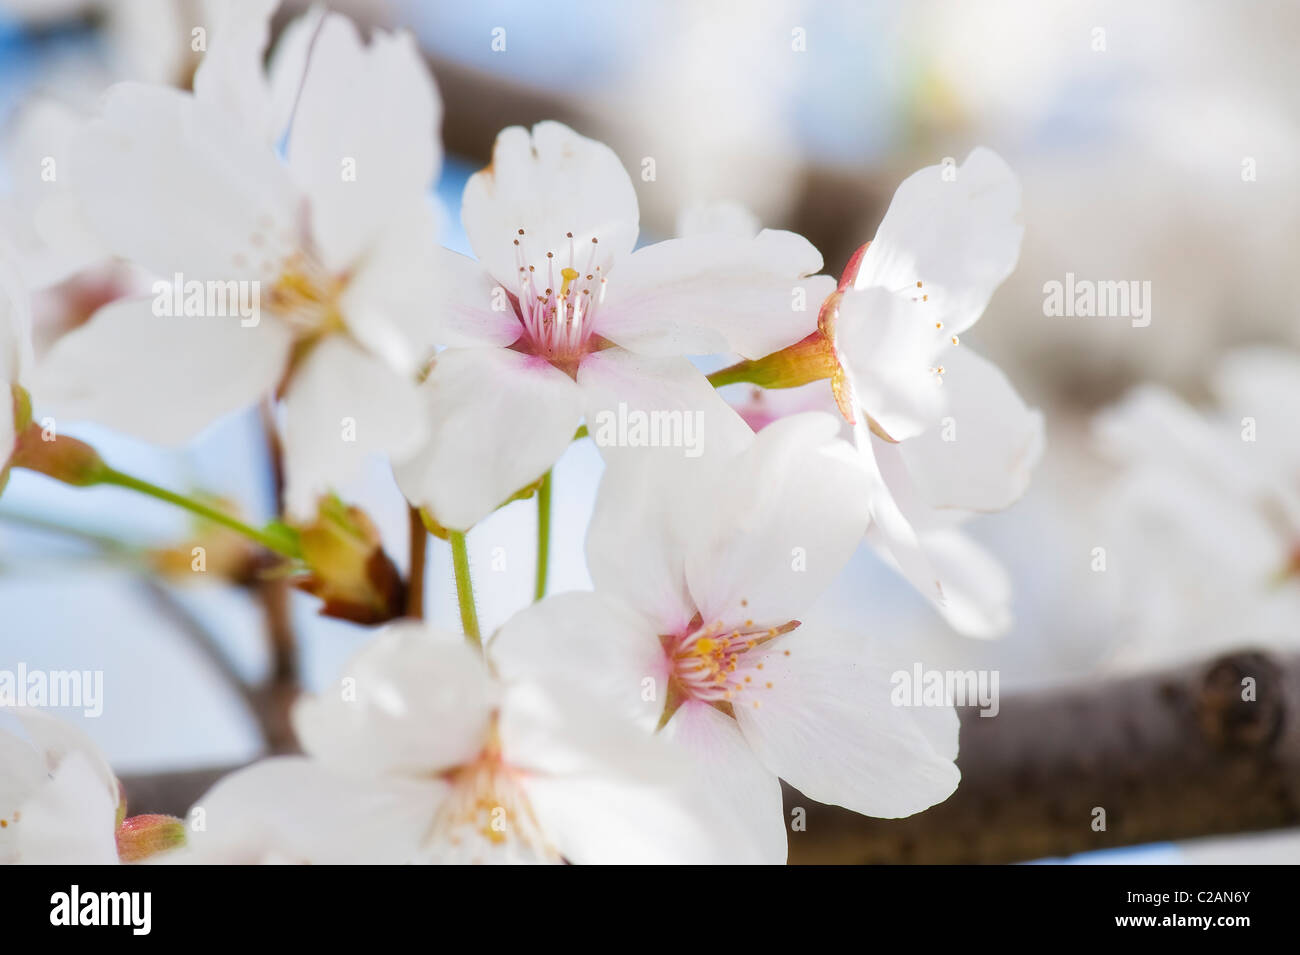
pixel 568 275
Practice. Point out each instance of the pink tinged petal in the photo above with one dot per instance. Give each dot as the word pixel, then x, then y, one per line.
pixel 364 142
pixel 342 405
pixel 412 291
pixel 727 768
pixel 711 293
pixel 779 525
pixel 161 378
pixel 231 77
pixel 70 819
pixel 895 357
pixel 828 727
pixel 956 234
pixel 298 810
pixel 613 650
pixel 549 183
pixel 976 587
pixel 981 456
pixel 179 187
pixel 529 408
pixel 412 702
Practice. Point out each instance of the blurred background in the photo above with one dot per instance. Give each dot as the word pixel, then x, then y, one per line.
pixel 1157 143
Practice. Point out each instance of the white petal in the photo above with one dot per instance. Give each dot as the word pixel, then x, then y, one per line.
pixel 343 404
pixel 651 493
pixel 779 524
pixel 15 322
pixel 685 417
pixel 1263 383
pixel 364 141
pixel 415 292
pixel 712 293
pixel 294 809
pixel 57 740
pixel 161 378
pixel 727 767
pixel 1152 424
pixel 411 702
pixel 595 639
pixel 617 820
pixel 179 187
pixel 976 599
pixel 46 222
pixel 654 508
pixel 605 791
pixel 70 820
pixel 21 774
pixel 955 232
pixel 287 66
pixel 549 183
pixel 982 455
pixel 892 351
pixel 829 728
pixel 895 510
pixel 498 420
pixel 231 77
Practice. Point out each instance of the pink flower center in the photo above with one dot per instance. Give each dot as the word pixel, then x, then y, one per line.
pixel 721 664
pixel 558 309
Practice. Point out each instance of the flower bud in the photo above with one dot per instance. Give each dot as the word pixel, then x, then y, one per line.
pixel 347 567
pixel 58 456
pixel 140 837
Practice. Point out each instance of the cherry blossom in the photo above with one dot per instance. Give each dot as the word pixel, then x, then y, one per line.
pixel 422 754
pixel 559 318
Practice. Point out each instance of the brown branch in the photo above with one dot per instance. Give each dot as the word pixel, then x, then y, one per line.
pixel 1168 756
pixel 274 698
pixel 419 541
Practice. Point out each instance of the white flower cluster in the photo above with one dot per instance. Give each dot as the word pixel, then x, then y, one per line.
pixel 652 719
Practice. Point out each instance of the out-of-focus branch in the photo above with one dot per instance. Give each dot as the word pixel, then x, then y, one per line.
pixel 419 547
pixel 1168 756
pixel 274 698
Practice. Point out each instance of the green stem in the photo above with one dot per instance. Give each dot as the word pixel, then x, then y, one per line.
pixel 810 359
pixel 733 374
pixel 543 535
pixel 464 587
pixel 271 542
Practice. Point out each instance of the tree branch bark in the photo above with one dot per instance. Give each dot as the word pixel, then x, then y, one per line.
pixel 1167 756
